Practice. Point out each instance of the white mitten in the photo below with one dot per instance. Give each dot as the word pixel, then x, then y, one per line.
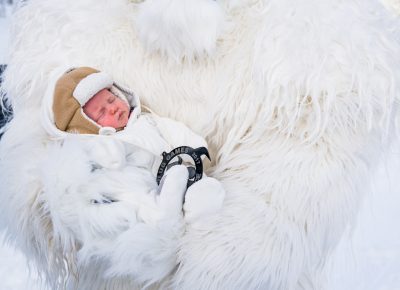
pixel 173 188
pixel 203 198
pixel 180 28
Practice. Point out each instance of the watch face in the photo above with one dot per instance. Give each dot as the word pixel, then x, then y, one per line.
pixel 187 156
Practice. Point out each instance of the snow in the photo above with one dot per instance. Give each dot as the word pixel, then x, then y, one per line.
pixel 370 258
pixel 14 273
pixel 367 260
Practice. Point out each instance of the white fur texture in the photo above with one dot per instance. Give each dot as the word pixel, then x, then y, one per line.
pixel 104 212
pixel 394 5
pixel 180 28
pixel 295 104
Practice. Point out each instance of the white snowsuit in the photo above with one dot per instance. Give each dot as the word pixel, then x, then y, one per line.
pixel 103 192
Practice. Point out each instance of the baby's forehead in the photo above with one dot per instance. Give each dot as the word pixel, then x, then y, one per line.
pixel 101 96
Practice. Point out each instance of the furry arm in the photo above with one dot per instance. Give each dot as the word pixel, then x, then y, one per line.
pixel 115 216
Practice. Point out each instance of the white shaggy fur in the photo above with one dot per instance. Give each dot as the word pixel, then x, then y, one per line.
pixel 103 238
pixel 392 4
pixel 295 104
pixel 180 28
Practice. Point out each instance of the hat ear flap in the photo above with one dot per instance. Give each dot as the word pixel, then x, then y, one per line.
pixel 180 28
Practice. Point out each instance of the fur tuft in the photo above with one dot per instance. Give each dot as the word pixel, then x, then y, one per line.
pixel 180 29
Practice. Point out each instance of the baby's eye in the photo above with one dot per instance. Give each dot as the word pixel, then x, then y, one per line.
pixel 111 99
pixel 101 114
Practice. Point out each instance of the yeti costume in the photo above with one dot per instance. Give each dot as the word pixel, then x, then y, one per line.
pixel 296 100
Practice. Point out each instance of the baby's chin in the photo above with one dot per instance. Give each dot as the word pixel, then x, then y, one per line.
pixel 117 125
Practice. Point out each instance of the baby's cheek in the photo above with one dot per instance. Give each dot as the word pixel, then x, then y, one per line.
pixel 125 121
pixel 107 121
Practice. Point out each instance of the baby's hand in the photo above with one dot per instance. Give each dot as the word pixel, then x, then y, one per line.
pixel 203 198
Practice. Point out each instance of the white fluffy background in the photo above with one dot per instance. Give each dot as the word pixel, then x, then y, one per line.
pixel 393 4
pixel 369 260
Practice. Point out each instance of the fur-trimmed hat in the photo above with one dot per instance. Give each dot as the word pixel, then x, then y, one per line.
pixel 71 93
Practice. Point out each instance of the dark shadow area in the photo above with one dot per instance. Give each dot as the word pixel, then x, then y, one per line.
pixel 5 113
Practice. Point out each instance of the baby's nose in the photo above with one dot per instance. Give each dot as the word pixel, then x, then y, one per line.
pixel 113 109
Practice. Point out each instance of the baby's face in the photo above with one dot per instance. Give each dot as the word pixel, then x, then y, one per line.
pixel 107 110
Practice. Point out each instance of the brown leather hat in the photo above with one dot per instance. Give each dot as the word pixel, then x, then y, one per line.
pixel 71 93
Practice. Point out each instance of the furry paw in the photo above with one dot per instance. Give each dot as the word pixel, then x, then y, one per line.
pixel 203 198
pixel 173 188
pixel 180 28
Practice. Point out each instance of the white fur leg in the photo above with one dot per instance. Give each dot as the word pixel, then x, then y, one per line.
pixel 99 209
pixel 180 28
pixel 147 253
pixel 203 198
